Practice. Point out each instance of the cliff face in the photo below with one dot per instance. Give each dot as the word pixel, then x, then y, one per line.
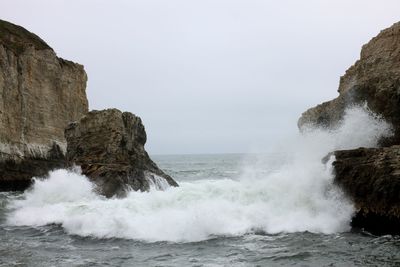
pixel 374 79
pixel 39 95
pixel 109 147
pixel 371 177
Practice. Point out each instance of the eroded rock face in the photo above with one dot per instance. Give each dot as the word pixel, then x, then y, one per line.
pixel 371 177
pixel 39 95
pixel 374 79
pixel 109 147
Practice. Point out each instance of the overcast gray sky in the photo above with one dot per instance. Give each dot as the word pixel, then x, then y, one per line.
pixel 208 76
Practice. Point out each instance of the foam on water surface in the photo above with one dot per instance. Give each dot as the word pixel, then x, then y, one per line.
pixel 297 195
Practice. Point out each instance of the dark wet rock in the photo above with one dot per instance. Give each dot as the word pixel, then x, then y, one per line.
pixel 40 94
pixel 109 147
pixel 371 177
pixel 17 174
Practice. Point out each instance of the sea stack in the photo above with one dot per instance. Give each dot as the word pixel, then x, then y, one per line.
pixel 109 147
pixel 40 94
pixel 369 176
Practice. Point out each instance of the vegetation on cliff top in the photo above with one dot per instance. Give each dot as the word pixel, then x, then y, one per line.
pixel 16 38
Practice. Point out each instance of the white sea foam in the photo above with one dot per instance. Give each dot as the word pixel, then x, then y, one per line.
pixel 297 195
pixel 156 182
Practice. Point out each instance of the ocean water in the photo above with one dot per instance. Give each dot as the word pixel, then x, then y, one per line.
pixel 279 208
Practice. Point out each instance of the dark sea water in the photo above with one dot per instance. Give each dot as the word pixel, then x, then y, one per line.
pixel 230 210
pixel 275 209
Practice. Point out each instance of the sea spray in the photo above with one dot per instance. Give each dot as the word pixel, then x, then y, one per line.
pixel 156 182
pixel 297 194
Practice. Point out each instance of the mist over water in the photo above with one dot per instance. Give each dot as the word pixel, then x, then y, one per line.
pixel 291 191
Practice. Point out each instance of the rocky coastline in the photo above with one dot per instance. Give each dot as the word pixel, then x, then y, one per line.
pixel 42 95
pixel 370 176
pixel 46 124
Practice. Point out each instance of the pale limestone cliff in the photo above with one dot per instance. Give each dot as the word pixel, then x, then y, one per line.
pixel 40 94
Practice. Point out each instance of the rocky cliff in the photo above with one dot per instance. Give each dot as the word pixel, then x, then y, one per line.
pixel 109 147
pixel 40 94
pixel 374 79
pixel 371 177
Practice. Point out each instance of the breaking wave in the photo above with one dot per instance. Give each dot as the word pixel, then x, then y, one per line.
pixel 295 195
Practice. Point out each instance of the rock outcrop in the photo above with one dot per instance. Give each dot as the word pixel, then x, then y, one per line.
pixel 109 147
pixel 374 79
pixel 371 176
pixel 40 94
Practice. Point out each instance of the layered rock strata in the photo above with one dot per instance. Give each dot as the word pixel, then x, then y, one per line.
pixel 109 147
pixel 40 94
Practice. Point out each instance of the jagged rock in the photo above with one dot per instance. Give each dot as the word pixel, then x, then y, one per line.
pixel 109 147
pixel 39 95
pixel 371 177
pixel 374 79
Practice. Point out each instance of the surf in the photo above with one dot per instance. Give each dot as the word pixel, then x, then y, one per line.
pixel 294 194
